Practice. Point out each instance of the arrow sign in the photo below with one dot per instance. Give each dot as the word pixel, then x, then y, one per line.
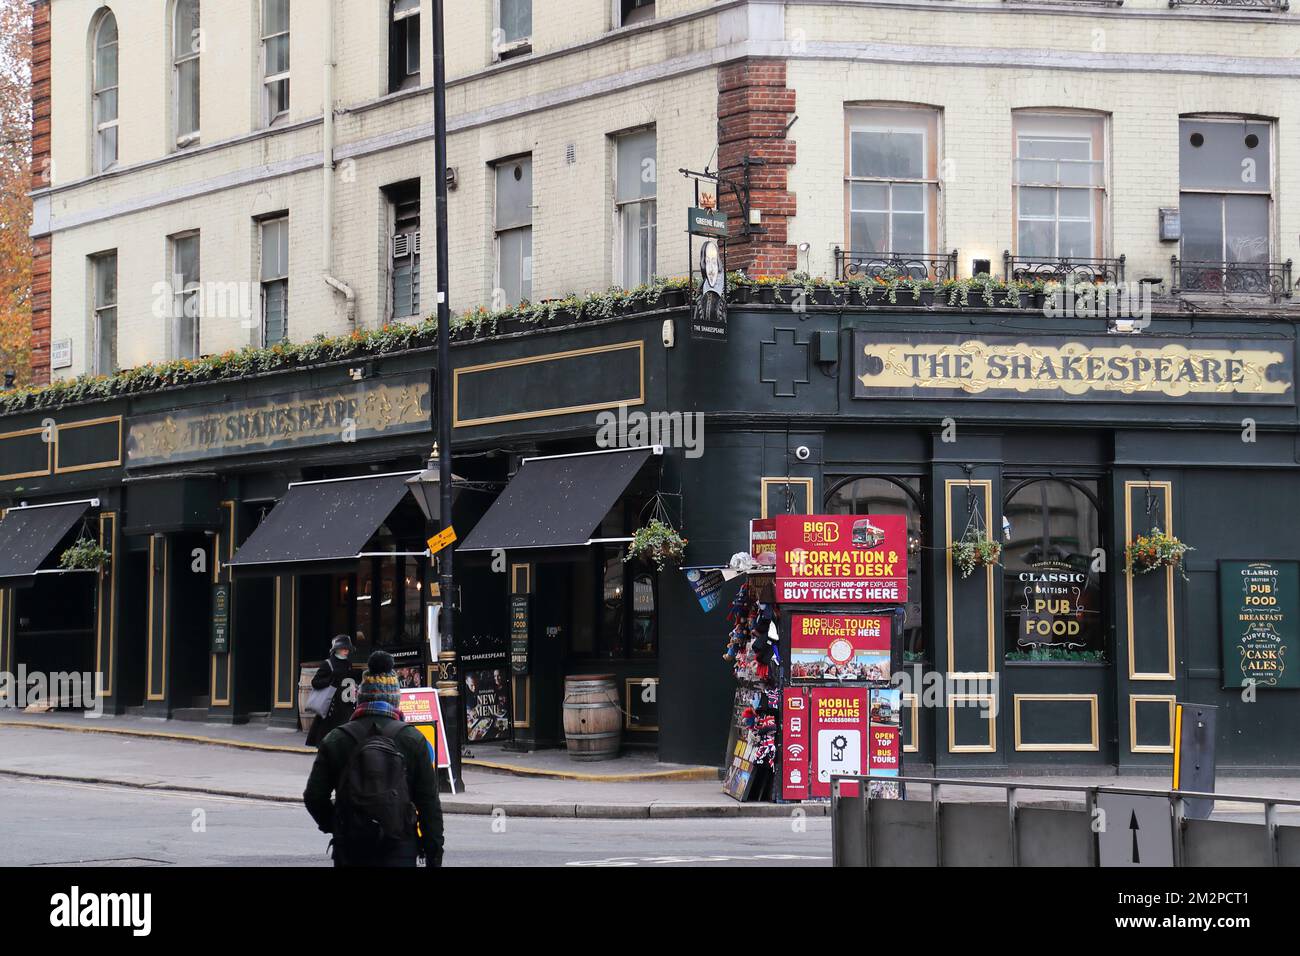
pixel 1133 826
pixel 1137 830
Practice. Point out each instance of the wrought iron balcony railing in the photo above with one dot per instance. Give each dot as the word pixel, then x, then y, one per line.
pixel 1272 279
pixel 1062 269
pixel 1236 4
pixel 902 265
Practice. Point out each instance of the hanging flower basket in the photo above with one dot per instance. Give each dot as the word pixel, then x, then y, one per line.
pixel 657 542
pixel 84 554
pixel 1156 550
pixel 975 550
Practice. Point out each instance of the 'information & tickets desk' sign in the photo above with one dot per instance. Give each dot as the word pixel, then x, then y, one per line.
pixel 841 559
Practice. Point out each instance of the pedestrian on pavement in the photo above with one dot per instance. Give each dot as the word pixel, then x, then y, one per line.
pixel 333 673
pixel 382 778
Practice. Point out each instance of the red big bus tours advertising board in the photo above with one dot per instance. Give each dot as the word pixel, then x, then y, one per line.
pixel 840 582
pixel 841 559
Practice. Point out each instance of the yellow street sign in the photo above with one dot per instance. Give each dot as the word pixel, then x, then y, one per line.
pixel 440 540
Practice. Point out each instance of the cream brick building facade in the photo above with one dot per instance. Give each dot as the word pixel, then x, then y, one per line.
pixel 584 79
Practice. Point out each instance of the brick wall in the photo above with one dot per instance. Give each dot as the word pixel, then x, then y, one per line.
pixel 754 108
pixel 41 246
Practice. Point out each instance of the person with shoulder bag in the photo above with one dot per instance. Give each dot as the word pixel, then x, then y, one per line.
pixel 385 809
pixel 329 698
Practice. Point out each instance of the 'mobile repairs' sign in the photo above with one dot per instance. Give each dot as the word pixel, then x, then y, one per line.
pixel 1091 368
pixel 845 559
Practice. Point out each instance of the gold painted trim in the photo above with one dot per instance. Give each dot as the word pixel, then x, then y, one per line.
pixel 293 627
pixel 992 720
pixel 1133 745
pixel 764 483
pixel 526 685
pixel 104 661
pixel 216 579
pixel 515 589
pixel 914 745
pixel 4 631
pixel 49 453
pixel 1167 488
pixel 94 465
pixel 629 689
pixel 948 486
pixel 458 422
pixel 1092 746
pixel 153 577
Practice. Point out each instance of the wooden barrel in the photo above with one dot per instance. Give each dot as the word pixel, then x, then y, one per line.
pixel 593 722
pixel 305 717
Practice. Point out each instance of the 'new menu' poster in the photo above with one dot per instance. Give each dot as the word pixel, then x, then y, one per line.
pixel 1259 608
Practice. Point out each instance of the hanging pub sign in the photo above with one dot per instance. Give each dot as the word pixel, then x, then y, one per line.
pixel 840 647
pixel 841 559
pixel 1259 608
pixel 706 222
pixel 709 317
pixel 1079 368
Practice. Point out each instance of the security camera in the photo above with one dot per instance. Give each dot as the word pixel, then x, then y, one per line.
pixel 803 453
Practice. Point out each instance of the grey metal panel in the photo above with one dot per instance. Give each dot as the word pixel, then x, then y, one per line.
pixel 1288 846
pixel 1220 843
pixel 902 833
pixel 1054 837
pixel 975 834
pixel 849 831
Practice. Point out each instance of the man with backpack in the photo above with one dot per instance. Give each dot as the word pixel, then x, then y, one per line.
pixel 383 781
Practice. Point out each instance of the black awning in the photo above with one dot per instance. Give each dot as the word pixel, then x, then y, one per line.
pixel 28 536
pixel 556 502
pixel 321 521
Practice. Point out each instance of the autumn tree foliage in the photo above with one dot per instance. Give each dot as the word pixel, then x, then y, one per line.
pixel 15 181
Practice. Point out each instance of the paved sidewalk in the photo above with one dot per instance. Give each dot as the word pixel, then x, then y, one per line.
pixel 264 764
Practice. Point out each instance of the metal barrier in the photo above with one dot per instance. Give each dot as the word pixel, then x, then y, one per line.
pixel 891 832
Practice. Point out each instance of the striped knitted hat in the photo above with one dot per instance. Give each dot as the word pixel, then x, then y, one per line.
pixel 379 683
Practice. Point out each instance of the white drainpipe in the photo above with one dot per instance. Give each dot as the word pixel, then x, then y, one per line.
pixel 327 172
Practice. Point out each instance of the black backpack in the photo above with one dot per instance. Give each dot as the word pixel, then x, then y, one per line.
pixel 373 811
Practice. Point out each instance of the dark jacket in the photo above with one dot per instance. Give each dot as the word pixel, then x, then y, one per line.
pixel 333 671
pixel 421 777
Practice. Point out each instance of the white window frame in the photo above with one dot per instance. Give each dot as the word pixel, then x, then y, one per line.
pixel 857 120
pixel 394 15
pixel 270 118
pixel 616 13
pixel 508 49
pixel 100 128
pixel 182 293
pixel 622 209
pixel 498 233
pixel 282 277
pixel 97 310
pixel 1271 195
pixel 1098 192
pixel 179 58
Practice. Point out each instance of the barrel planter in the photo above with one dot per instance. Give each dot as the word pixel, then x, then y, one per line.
pixel 593 721
pixel 305 717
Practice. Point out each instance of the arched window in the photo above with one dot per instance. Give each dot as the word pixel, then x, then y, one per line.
pixel 1053 594
pixel 891 496
pixel 103 92
pixel 187 45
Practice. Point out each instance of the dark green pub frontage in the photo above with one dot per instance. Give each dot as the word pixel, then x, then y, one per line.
pixel 1062 439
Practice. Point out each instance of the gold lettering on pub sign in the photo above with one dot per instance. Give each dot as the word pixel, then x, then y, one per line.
pixel 1073 368
pixel 307 418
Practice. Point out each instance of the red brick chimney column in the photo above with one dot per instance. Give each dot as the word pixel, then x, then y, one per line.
pixel 754 109
pixel 41 245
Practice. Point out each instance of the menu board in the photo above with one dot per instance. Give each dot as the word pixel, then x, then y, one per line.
pixel 1259 607
pixel 519 607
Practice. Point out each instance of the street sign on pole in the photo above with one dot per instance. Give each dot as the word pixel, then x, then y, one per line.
pixel 1136 830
